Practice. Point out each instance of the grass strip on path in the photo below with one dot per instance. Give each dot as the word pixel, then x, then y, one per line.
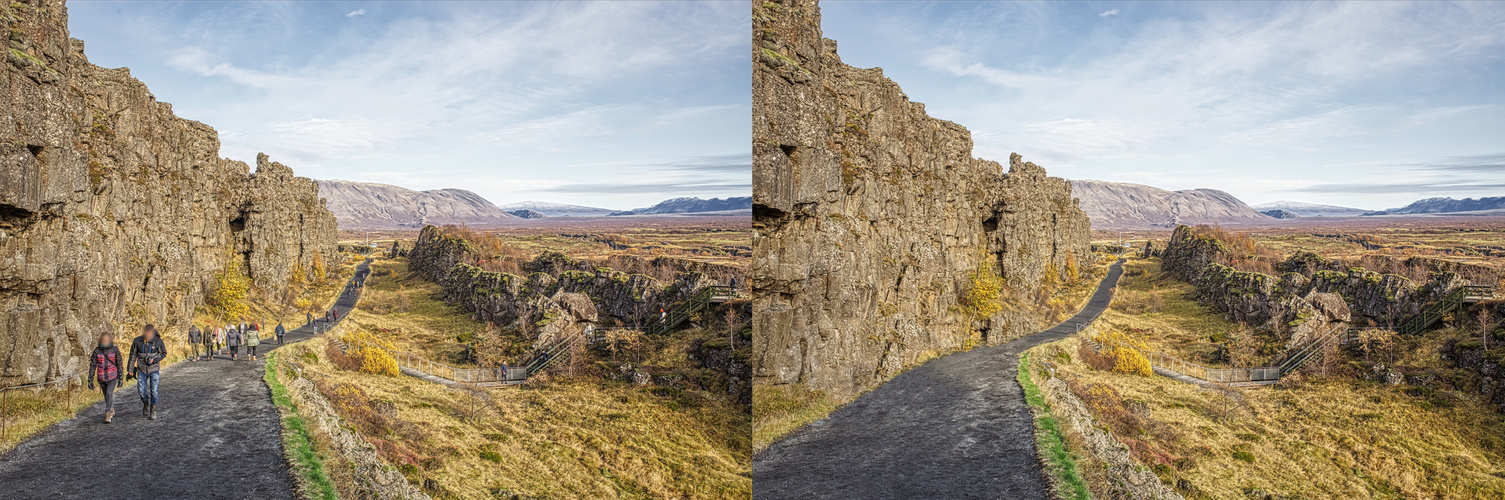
pixel 297 442
pixel 1060 464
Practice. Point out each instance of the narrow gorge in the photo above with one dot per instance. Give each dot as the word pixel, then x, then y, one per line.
pixel 115 213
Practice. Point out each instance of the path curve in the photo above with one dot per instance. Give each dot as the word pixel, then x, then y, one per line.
pixel 956 427
pixel 216 436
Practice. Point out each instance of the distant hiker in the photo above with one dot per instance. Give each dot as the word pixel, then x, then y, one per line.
pixel 734 282
pixel 662 315
pixel 106 366
pixel 147 352
pixel 310 318
pixel 233 338
pixel 280 332
pixel 194 339
pixel 209 340
pixel 253 339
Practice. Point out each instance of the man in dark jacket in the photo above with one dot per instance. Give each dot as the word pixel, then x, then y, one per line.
pixel 233 339
pixel 147 353
pixel 194 339
pixel 280 332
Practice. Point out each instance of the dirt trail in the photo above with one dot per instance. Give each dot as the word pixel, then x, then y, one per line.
pixel 216 436
pixel 956 427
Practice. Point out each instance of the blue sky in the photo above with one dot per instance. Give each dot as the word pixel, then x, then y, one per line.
pixel 613 104
pixel 1371 105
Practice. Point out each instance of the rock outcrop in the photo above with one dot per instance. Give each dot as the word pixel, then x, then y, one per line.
pixel 114 212
pixel 1306 291
pixel 552 281
pixel 871 217
pixel 372 206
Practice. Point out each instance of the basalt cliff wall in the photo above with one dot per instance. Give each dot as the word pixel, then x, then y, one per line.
pixel 1309 287
pixel 114 212
pixel 871 217
pixel 520 300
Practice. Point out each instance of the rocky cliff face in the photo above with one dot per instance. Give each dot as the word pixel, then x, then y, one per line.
pixel 367 205
pixel 114 212
pixel 1305 291
pixel 1120 205
pixel 517 301
pixel 870 216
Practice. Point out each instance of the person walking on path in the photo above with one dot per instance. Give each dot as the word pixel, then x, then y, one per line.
pixel 232 340
pixel 147 352
pixel 194 339
pixel 106 366
pixel 280 332
pixel 253 339
pixel 219 340
pixel 310 319
pixel 208 343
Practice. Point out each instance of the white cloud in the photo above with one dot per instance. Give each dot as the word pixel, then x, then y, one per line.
pixel 1109 12
pixel 356 12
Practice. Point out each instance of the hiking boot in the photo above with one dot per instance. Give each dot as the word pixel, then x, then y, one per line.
pixel 146 409
pixel 153 415
pixel 109 415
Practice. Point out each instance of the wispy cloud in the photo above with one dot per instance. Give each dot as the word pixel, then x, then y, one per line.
pixel 1209 91
pixel 1475 164
pixel 1438 188
pixel 527 95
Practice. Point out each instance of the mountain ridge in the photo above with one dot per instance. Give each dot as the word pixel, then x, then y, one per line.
pixel 372 205
pixel 1444 204
pixel 1128 205
pixel 683 205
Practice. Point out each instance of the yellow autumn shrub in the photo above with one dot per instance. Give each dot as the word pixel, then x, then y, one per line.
pixel 373 353
pixel 1126 353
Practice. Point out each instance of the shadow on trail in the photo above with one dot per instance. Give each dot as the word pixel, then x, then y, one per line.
pixel 216 436
pixel 956 427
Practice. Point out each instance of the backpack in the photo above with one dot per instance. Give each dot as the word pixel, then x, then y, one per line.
pixel 106 365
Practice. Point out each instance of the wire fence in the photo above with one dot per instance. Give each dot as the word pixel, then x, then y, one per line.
pixel 5 398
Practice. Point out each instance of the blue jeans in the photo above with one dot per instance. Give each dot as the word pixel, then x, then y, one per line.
pixel 146 386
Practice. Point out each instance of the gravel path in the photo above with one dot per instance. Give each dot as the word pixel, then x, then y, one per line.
pixel 216 436
pixel 956 427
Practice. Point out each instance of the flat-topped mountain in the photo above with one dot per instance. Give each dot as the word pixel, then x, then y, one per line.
pixel 1124 205
pixel 550 209
pixel 692 205
pixel 367 205
pixel 1304 209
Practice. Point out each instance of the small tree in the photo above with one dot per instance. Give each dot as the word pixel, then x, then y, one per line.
pixel 732 324
pixel 320 272
pixel 1486 325
pixel 231 289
